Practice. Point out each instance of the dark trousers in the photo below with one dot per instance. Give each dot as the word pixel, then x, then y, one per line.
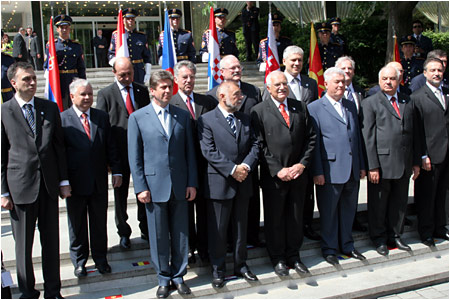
pixel 308 209
pixel 431 195
pixel 220 214
pixel 169 235
pixel 37 62
pixel 101 58
pixel 254 212
pixel 283 220
pixel 78 210
pixel 23 222
pixel 337 206
pixel 120 204
pixel 198 226
pixel 251 40
pixel 387 202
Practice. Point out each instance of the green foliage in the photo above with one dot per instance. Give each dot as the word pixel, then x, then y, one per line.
pixel 240 43
pixel 206 9
pixel 440 39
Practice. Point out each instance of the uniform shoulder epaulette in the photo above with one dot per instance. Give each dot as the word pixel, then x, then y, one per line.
pixel 141 32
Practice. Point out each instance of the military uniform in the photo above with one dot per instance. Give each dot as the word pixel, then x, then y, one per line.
pixel 226 38
pixel 7 89
pixel 338 38
pixel 331 52
pixel 411 66
pixel 282 43
pixel 70 61
pixel 137 48
pixel 250 29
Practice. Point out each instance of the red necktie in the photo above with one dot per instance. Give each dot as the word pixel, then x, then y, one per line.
pixel 394 104
pixel 189 106
pixel 284 114
pixel 86 126
pixel 129 104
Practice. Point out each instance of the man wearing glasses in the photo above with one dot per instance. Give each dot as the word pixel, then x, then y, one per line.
pixel 423 43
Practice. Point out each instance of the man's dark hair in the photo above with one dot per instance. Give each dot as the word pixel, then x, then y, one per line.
pixel 436 53
pixel 158 76
pixel 12 70
pixel 418 22
pixel 430 60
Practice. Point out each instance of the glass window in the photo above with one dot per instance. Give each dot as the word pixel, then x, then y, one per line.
pixel 11 22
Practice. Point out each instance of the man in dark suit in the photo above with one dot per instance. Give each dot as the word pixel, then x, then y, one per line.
pixel 231 70
pixel 390 136
pixel 337 166
pixel 400 89
pixel 34 172
pixel 287 139
pixel 431 187
pixel 161 152
pixel 90 150
pixel 250 28
pixel 119 100
pixel 36 51
pixel 420 80
pixel 196 105
pixel 229 144
pixel 20 52
pixel 100 44
pixel 423 44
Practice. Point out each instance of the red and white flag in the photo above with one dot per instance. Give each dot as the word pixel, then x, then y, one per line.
pixel 272 61
pixel 214 75
pixel 121 45
pixel 52 86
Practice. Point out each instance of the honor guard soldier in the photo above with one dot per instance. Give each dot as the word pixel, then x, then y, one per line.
pixel 336 37
pixel 250 28
pixel 7 89
pixel 411 65
pixel 227 38
pixel 137 47
pixel 181 38
pixel 282 43
pixel 329 51
pixel 70 58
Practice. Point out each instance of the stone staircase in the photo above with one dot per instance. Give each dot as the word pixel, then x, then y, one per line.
pixel 102 77
pixel 133 276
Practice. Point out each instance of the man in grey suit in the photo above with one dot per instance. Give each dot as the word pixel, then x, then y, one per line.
pixel 90 150
pixel 337 166
pixel 20 51
pixel 390 135
pixel 229 144
pixel 36 51
pixel 119 100
pixel 161 153
pixel 34 172
pixel 196 105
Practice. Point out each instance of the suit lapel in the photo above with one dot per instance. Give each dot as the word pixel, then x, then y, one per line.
pixel 119 97
pixel 292 115
pixel 223 122
pixel 305 88
pixel 152 114
pixel 94 124
pixel 173 120
pixel 238 126
pixel 328 107
pixel 75 120
pixel 38 117
pixel 198 108
pixel 137 91
pixel 274 110
pixel 18 114
pixel 385 101
pixel 434 99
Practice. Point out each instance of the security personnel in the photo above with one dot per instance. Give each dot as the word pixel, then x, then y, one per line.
pixel 137 47
pixel 411 65
pixel 282 42
pixel 250 28
pixel 70 57
pixel 336 37
pixel 181 38
pixel 227 38
pixel 329 51
pixel 7 89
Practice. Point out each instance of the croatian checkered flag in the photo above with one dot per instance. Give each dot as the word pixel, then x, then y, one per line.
pixel 214 76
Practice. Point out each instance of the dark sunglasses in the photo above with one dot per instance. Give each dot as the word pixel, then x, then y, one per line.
pixel 417 26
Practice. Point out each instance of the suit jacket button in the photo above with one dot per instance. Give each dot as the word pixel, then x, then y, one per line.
pixel 350 153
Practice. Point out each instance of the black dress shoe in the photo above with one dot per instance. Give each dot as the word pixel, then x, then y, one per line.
pixel 331 259
pixel 247 275
pixel 300 267
pixel 218 282
pixel 401 245
pixel 429 242
pixel 103 268
pixel 356 254
pixel 162 292
pixel 310 233
pixel 59 296
pixel 281 269
pixel 383 250
pixel 442 236
pixel 183 289
pixel 124 242
pixel 357 226
pixel 144 236
pixel 80 271
pixel 191 258
pixel 257 243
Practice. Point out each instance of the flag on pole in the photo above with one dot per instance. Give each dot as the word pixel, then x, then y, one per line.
pixel 214 76
pixel 121 45
pixel 52 86
pixel 169 57
pixel 396 54
pixel 315 62
pixel 272 61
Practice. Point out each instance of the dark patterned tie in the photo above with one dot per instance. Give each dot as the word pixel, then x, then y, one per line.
pixel 230 119
pixel 86 126
pixel 30 117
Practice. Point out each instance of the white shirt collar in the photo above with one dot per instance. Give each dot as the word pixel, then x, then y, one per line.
pixel 332 101
pixel 433 88
pixel 223 111
pixel 389 97
pixel 23 102
pixel 351 87
pixel 277 103
pixel 290 78
pixel 184 96
pixel 158 108
pixel 121 86
pixel 79 112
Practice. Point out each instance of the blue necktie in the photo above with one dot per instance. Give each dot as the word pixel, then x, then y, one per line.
pixel 30 117
pixel 230 119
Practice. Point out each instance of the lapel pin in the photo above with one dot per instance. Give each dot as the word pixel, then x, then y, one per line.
pixel 293 108
pixel 307 85
pixel 175 116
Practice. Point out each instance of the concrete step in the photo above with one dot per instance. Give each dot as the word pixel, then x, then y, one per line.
pixel 140 281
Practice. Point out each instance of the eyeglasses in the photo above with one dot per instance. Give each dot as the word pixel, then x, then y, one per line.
pixel 234 68
pixel 417 26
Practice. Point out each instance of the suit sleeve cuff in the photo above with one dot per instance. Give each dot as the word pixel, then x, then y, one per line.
pixel 234 169
pixel 5 195
pixel 248 167
pixel 64 183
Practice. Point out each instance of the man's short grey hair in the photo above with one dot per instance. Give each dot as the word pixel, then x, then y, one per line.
pixel 329 73
pixel 224 87
pixel 292 50
pixel 397 72
pixel 76 83
pixel 159 75
pixel 272 74
pixel 184 63
pixel 225 60
pixel 345 58
pixel 436 53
